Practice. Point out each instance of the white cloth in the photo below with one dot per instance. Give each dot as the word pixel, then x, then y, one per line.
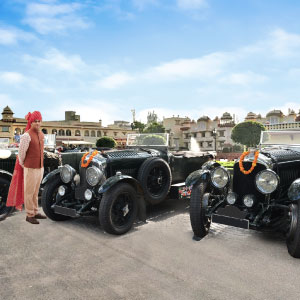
pixel 23 147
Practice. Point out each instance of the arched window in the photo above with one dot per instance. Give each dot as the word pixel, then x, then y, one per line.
pixel 54 131
pixel 44 130
pixel 98 133
pixel 68 132
pixel 93 133
pixel 61 132
pixel 23 130
pixel 86 133
pixel 77 133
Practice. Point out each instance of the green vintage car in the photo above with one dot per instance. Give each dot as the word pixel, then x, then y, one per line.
pixel 7 165
pixel 116 185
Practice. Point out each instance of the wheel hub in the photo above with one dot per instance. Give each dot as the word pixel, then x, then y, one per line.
pixel 125 210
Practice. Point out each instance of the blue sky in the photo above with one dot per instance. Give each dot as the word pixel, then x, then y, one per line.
pixel 103 58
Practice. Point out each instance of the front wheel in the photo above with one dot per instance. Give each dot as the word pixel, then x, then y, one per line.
pixel 4 188
pixel 198 204
pixel 118 209
pixel 49 197
pixel 293 236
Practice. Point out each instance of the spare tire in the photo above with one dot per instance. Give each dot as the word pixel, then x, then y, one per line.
pixel 155 178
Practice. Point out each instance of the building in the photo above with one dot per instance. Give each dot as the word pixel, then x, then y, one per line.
pixel 70 129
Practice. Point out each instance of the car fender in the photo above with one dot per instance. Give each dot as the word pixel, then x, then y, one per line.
pixel 197 176
pixel 294 190
pixel 50 175
pixel 7 175
pixel 112 181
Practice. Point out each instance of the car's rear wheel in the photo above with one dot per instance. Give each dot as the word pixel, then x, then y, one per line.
pixel 4 187
pixel 48 199
pixel 155 178
pixel 199 201
pixel 293 236
pixel 118 209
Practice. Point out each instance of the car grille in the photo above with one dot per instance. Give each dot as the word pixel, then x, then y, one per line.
pixel 121 154
pixel 245 184
pixel 282 155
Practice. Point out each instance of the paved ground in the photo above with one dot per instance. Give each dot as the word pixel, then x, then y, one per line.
pixel 158 260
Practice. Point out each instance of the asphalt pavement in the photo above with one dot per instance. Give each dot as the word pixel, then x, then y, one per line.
pixel 75 259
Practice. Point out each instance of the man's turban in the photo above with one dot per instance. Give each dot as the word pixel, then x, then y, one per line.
pixel 30 117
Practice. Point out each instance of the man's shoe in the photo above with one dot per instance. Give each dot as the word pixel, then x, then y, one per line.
pixel 40 216
pixel 32 220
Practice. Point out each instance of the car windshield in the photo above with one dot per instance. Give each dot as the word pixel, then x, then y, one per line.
pixel 148 139
pixel 290 138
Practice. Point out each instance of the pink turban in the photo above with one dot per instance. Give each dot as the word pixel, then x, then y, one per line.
pixel 30 117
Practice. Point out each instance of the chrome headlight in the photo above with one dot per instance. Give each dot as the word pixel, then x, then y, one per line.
pixel 294 190
pixel 249 200
pixel 67 173
pixel 219 177
pixel 93 175
pixel 231 198
pixel 61 190
pixel 266 181
pixel 88 195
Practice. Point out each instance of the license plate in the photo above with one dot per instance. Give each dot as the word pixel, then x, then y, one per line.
pixel 231 221
pixel 70 212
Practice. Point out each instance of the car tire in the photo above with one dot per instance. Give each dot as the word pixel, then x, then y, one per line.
pixel 293 236
pixel 48 199
pixel 4 188
pixel 199 222
pixel 118 209
pixel 155 178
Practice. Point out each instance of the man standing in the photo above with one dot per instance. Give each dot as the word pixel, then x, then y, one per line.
pixel 31 158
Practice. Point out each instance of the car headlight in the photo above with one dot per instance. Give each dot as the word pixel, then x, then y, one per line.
pixel 93 175
pixel 67 173
pixel 88 194
pixel 61 190
pixel 294 190
pixel 231 198
pixel 219 177
pixel 266 181
pixel 249 200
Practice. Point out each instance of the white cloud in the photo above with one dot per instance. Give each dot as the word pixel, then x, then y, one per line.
pixel 57 60
pixel 191 4
pixel 142 4
pixel 115 80
pixel 6 100
pixel 11 36
pixel 11 77
pixel 50 17
pixel 243 78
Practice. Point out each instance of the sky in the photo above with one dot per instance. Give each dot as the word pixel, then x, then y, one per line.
pixel 104 58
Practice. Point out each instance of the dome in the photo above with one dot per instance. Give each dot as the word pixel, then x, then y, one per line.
pixel 204 118
pixel 275 113
pixel 226 116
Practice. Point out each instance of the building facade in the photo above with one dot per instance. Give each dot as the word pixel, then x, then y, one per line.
pixel 70 129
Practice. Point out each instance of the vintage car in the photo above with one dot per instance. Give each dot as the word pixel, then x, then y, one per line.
pixel 263 193
pixel 116 185
pixel 7 164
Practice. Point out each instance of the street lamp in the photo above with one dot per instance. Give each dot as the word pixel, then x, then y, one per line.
pixel 214 133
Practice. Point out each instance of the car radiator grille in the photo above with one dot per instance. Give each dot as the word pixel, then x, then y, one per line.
pixel 245 184
pixel 122 154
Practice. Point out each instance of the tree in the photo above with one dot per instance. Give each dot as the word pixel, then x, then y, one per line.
pixel 136 125
pixel 247 133
pixel 153 139
pixel 106 142
pixel 155 128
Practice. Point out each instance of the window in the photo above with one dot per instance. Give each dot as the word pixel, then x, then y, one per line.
pixel 77 133
pixel 68 132
pixel 61 132
pixel 202 134
pixel 222 133
pixel 201 144
pixel 177 122
pixel 86 133
pixel 195 135
pixel 54 131
pixel 5 129
pixel 17 131
pixel 98 133
pixel 44 130
pixel 115 133
pixel 105 133
pixel 93 133
pixel 209 144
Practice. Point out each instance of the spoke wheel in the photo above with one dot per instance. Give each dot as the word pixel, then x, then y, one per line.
pixel 118 209
pixel 155 178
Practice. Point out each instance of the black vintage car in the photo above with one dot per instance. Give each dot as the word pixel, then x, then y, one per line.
pixel 7 165
pixel 116 185
pixel 267 198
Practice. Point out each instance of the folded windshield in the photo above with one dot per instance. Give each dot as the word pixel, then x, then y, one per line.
pixel 291 138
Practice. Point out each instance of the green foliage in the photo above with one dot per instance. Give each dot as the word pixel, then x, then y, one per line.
pixel 247 133
pixel 155 128
pixel 153 139
pixel 136 125
pixel 237 148
pixel 106 142
pixel 226 150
